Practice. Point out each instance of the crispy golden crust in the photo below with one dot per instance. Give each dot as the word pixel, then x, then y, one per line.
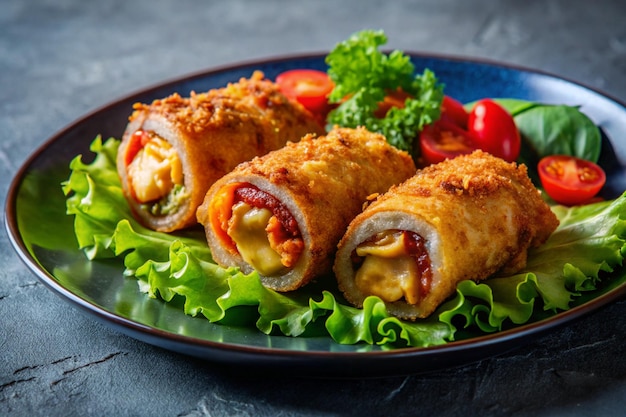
pixel 212 133
pixel 478 214
pixel 324 182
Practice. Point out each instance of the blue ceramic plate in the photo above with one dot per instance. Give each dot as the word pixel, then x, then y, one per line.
pixel 44 238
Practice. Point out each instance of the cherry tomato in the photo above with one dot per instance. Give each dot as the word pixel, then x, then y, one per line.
pixel 453 110
pixel 310 87
pixel 444 140
pixel 569 180
pixel 495 130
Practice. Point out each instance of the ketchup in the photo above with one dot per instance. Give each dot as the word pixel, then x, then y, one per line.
pixel 254 197
pixel 415 247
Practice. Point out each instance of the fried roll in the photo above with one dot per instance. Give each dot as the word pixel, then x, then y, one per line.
pixel 175 148
pixel 466 218
pixel 283 214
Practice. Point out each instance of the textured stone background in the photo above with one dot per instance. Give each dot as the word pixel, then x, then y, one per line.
pixel 60 59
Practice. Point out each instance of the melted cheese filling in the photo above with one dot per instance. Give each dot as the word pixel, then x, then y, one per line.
pixel 388 271
pixel 247 228
pixel 154 171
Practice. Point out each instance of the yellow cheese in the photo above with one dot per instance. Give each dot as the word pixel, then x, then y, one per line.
pixel 247 229
pixel 155 170
pixel 387 244
pixel 387 270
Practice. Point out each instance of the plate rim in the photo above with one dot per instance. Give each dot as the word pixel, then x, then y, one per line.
pixel 274 355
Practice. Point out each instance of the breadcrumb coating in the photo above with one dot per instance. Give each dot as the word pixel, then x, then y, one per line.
pixel 478 214
pixel 212 132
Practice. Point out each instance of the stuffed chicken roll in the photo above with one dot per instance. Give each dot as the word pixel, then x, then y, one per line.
pixel 465 218
pixel 175 148
pixel 283 214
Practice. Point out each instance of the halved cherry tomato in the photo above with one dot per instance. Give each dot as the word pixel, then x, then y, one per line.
pixel 443 139
pixel 569 180
pixel 135 143
pixel 453 110
pixel 495 130
pixel 310 87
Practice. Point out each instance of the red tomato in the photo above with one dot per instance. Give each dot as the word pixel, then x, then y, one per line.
pixel 394 98
pixel 310 87
pixel 495 130
pixel 453 110
pixel 444 140
pixel 569 180
pixel 135 143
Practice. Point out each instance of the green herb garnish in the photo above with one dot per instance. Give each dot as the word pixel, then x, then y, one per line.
pixel 363 76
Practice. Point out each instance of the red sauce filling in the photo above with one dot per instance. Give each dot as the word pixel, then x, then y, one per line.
pixel 415 247
pixel 254 197
pixel 135 143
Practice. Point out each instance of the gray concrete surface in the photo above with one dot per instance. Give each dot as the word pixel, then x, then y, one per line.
pixel 61 59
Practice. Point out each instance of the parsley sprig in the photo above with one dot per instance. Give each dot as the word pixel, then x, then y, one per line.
pixel 364 75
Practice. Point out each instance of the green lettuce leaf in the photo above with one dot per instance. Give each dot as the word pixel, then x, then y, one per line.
pixel 589 243
pixel 580 258
pixel 95 198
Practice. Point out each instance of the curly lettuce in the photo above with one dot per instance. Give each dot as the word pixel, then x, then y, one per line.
pixel 363 76
pixel 584 255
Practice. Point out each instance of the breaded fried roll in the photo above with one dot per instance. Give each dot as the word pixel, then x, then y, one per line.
pixel 465 218
pixel 283 214
pixel 175 148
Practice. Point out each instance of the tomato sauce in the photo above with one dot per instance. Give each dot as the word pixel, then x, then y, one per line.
pixel 415 247
pixel 254 197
